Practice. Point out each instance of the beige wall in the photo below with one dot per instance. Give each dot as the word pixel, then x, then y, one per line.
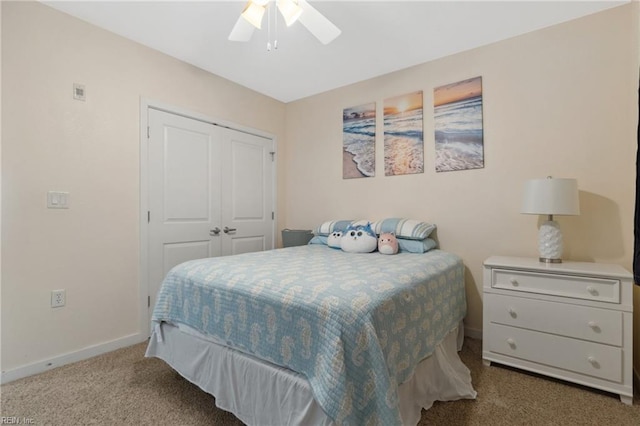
pixel 560 101
pixel 91 149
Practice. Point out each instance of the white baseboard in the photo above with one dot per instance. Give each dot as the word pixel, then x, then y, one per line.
pixel 58 361
pixel 474 333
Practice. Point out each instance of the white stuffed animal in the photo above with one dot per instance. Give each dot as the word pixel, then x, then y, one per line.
pixel 359 239
pixel 333 240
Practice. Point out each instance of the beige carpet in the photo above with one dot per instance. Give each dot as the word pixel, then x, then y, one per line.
pixel 123 387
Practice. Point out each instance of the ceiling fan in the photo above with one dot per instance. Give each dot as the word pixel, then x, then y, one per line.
pixel 292 11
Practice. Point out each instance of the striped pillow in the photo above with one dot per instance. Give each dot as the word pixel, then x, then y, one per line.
pixel 404 228
pixel 328 227
pixel 333 225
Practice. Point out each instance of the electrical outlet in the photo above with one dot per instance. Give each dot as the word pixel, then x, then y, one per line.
pixel 58 298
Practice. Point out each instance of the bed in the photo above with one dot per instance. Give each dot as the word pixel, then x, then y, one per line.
pixel 314 335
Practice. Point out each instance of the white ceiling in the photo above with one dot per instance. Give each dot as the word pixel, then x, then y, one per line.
pixel 377 37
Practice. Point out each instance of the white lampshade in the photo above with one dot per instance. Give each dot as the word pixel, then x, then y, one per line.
pixel 551 196
pixel 253 13
pixel 290 11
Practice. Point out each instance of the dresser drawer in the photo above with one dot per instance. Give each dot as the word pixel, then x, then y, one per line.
pixel 582 357
pixel 581 322
pixel 591 288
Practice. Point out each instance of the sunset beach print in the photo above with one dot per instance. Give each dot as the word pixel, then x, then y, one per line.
pixel 459 138
pixel 403 135
pixel 359 141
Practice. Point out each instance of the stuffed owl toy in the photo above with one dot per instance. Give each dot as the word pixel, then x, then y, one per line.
pixel 359 239
pixel 333 240
pixel 387 243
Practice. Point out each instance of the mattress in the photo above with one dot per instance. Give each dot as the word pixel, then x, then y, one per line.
pixel 354 325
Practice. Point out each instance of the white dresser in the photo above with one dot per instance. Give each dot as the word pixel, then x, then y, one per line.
pixel 572 321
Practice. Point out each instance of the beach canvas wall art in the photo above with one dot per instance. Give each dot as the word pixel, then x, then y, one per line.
pixel 359 141
pixel 403 135
pixel 459 137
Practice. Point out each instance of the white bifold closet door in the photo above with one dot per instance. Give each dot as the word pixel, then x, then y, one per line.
pixel 210 193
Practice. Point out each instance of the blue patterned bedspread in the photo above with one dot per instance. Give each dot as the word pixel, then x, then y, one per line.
pixel 354 324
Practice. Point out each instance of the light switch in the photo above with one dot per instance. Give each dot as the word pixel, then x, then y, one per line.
pixel 57 200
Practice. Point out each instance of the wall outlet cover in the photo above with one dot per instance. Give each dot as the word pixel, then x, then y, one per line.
pixel 58 298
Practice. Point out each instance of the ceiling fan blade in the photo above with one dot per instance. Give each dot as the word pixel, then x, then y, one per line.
pixel 242 30
pixel 317 24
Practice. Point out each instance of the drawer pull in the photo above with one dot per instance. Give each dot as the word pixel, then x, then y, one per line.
pixel 593 361
pixel 594 326
pixel 592 290
pixel 513 313
pixel 511 343
pixel 513 281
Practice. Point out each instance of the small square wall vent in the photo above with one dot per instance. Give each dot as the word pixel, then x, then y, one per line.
pixel 79 92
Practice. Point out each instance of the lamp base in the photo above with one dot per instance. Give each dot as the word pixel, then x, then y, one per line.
pixel 550 242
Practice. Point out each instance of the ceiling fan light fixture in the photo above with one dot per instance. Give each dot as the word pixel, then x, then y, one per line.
pixel 251 18
pixel 253 13
pixel 290 11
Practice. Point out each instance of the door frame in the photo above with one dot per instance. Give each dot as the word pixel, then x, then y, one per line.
pixel 145 105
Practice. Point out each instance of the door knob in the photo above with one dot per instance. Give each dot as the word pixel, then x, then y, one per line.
pixel 214 231
pixel 227 229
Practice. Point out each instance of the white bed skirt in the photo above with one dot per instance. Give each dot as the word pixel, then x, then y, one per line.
pixel 260 393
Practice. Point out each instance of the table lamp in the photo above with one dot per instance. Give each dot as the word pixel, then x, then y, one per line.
pixel 550 196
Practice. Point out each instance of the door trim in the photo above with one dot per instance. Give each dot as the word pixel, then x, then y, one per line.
pixel 145 105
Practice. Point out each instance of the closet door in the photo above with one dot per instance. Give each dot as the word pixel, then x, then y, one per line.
pixel 184 193
pixel 247 193
pixel 210 193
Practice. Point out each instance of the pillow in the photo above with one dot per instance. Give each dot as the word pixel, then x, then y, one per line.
pixel 318 239
pixel 404 228
pixel 404 245
pixel 415 246
pixel 327 228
